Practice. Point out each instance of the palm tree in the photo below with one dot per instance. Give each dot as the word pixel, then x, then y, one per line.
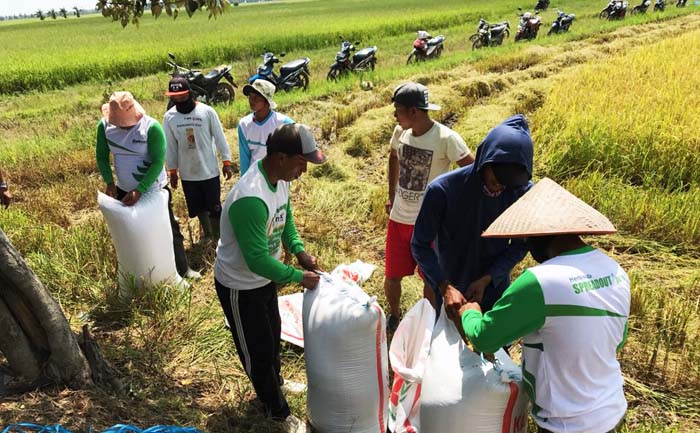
pixel 63 12
pixel 39 14
pixel 77 11
pixel 52 13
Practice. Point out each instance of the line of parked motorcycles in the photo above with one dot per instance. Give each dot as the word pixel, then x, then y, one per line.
pixel 492 35
pixel 617 9
pixel 218 85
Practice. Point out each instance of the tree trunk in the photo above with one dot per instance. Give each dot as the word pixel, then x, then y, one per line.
pixel 37 339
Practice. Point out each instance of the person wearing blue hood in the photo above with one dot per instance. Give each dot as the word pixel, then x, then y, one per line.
pixel 458 206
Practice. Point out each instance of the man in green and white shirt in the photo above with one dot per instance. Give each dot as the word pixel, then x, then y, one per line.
pixel 137 143
pixel 571 311
pixel 255 224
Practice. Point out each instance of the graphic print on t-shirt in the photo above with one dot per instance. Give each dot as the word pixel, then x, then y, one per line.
pixel 191 142
pixel 414 170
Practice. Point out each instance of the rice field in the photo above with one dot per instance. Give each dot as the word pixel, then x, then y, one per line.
pixel 611 105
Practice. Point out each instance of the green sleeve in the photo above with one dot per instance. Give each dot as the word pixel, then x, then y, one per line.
pixel 624 338
pixel 156 150
pixel 290 237
pixel 519 312
pixel 247 217
pixel 102 154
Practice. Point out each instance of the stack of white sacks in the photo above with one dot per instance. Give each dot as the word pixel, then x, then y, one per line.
pixel 440 385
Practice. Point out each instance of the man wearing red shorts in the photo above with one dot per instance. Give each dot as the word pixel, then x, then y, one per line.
pixel 421 149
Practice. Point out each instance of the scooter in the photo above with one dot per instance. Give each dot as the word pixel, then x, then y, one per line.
pixel 529 26
pixel 659 6
pixel 489 35
pixel 615 10
pixel 210 88
pixel 361 61
pixel 426 47
pixel 562 23
pixel 294 74
pixel 641 8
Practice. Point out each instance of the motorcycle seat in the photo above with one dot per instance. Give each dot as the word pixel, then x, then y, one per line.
pixel 294 65
pixel 498 28
pixel 364 53
pixel 436 40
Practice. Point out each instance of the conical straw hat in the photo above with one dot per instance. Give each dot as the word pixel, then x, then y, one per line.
pixel 548 209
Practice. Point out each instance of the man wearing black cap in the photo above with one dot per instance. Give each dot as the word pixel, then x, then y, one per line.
pixel 459 206
pixel 256 222
pixel 421 149
pixel 194 133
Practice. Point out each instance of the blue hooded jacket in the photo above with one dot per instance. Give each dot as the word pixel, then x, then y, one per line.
pixel 456 211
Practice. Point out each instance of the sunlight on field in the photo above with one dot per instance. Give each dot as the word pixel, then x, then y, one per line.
pixel 614 108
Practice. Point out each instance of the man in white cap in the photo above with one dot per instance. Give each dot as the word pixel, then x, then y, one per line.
pixel 421 150
pixel 254 128
pixel 137 143
pixel 194 133
pixel 255 224
pixel 571 311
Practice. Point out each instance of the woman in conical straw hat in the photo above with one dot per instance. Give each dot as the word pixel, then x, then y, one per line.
pixel 571 311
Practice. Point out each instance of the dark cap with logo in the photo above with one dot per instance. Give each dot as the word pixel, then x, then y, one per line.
pixel 178 86
pixel 295 139
pixel 413 95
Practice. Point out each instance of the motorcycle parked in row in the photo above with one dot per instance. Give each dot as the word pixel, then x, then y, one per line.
pixel 426 47
pixel 562 23
pixel 615 10
pixel 209 88
pixel 361 61
pixel 529 26
pixel 542 5
pixel 641 8
pixel 294 74
pixel 659 6
pixel 489 35
pixel 681 3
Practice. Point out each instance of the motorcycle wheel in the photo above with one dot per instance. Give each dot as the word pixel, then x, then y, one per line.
pixel 551 32
pixel 224 93
pixel 473 37
pixel 303 81
pixel 636 10
pixel 604 15
pixel 438 52
pixel 411 58
pixel 373 64
pixel 477 44
pixel 333 74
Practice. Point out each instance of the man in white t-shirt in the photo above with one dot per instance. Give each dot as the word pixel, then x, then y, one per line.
pixel 194 134
pixel 421 149
pixel 254 128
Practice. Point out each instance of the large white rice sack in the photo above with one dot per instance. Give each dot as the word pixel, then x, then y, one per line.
pixel 462 393
pixel 142 239
pixel 346 358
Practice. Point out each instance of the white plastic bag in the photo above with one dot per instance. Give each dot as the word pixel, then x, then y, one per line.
pixel 346 359
pixel 142 239
pixel 408 355
pixel 462 393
